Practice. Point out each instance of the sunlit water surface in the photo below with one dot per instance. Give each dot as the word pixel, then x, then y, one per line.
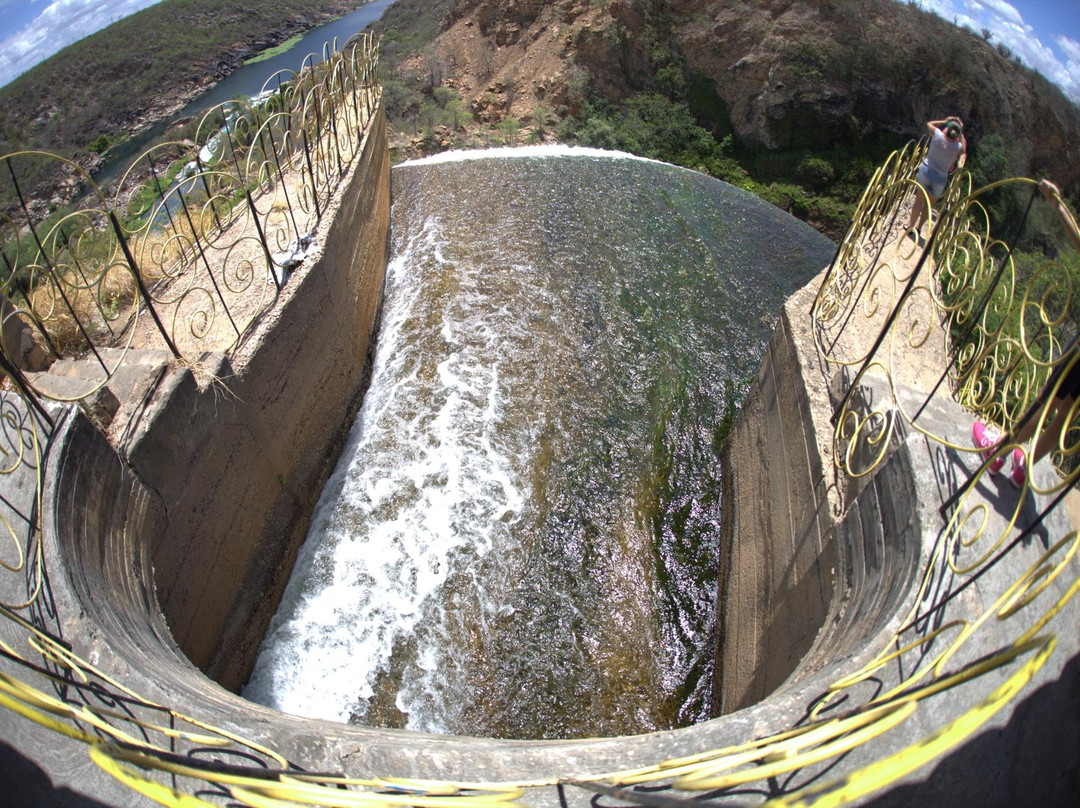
pixel 520 538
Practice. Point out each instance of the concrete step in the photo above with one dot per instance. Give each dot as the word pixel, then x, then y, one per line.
pixel 103 389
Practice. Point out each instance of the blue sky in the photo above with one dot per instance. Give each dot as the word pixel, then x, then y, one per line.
pixel 1045 34
pixel 33 30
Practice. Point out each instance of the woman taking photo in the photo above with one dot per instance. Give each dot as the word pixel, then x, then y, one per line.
pixel 948 150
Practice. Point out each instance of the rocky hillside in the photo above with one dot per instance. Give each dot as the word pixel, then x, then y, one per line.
pixel 142 69
pixel 796 100
pixel 777 75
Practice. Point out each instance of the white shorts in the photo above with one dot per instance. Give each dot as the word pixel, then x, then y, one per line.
pixel 932 180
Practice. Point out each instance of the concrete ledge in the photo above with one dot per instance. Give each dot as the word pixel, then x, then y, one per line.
pixel 239 453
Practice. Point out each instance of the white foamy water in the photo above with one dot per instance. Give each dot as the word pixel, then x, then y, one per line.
pixel 509 152
pixel 428 476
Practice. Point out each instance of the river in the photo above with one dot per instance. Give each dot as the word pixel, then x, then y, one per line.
pixel 247 81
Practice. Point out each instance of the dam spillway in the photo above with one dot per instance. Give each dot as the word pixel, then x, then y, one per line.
pixel 521 536
pixel 148 542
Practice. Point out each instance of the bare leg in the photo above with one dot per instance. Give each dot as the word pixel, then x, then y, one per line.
pixel 918 211
pixel 1048 440
pixel 1052 435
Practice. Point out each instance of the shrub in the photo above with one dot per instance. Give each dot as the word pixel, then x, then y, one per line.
pixel 815 172
pixel 100 144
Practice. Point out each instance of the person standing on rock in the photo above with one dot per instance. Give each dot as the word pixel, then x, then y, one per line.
pixel 948 150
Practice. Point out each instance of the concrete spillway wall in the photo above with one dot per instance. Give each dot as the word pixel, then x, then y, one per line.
pixel 228 462
pixel 797 561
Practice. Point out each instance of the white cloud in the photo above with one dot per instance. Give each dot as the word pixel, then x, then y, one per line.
pixel 1069 47
pixel 999 8
pixel 60 23
pixel 1005 22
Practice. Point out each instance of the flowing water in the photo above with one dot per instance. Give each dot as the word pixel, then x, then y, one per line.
pixel 520 538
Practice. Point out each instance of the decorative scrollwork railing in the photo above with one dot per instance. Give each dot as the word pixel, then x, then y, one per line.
pixel 994 324
pixel 198 236
pixel 174 758
pixel 996 328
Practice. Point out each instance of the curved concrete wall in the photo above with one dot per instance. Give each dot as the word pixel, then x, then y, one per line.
pixel 102 514
pixel 238 462
pixel 801 570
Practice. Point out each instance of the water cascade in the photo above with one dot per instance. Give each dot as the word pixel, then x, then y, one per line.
pixel 520 537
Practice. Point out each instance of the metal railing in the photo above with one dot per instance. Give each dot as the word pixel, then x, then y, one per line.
pixel 995 325
pixel 197 237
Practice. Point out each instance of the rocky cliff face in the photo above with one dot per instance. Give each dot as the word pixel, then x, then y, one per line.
pixel 818 72
pixel 790 73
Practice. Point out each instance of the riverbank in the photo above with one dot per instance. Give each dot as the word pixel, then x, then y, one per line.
pixel 106 89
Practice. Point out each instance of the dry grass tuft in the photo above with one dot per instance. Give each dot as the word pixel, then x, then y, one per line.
pixel 101 309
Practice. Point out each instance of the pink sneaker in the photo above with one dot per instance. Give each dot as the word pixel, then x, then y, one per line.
pixel 1019 470
pixel 987 439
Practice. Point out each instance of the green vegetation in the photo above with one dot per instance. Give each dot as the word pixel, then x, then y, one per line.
pixel 674 115
pixel 819 187
pixel 270 53
pixel 637 93
pixel 102 86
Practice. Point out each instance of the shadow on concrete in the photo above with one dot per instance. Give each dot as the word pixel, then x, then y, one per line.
pixel 1033 760
pixel 25 785
pixel 995 489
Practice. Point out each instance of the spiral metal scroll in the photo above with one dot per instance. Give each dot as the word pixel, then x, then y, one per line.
pixel 1009 349
pixel 197 238
pixel 957 304
pixel 176 759
pixel 69 279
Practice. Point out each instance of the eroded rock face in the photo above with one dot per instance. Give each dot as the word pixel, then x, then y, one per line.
pixel 791 73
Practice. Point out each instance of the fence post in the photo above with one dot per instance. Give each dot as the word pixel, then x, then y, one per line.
pixel 311 171
pixel 206 188
pixel 206 263
pixel 284 189
pixel 49 267
pixel 143 291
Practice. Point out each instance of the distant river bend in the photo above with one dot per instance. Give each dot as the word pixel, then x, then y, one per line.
pixel 246 82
